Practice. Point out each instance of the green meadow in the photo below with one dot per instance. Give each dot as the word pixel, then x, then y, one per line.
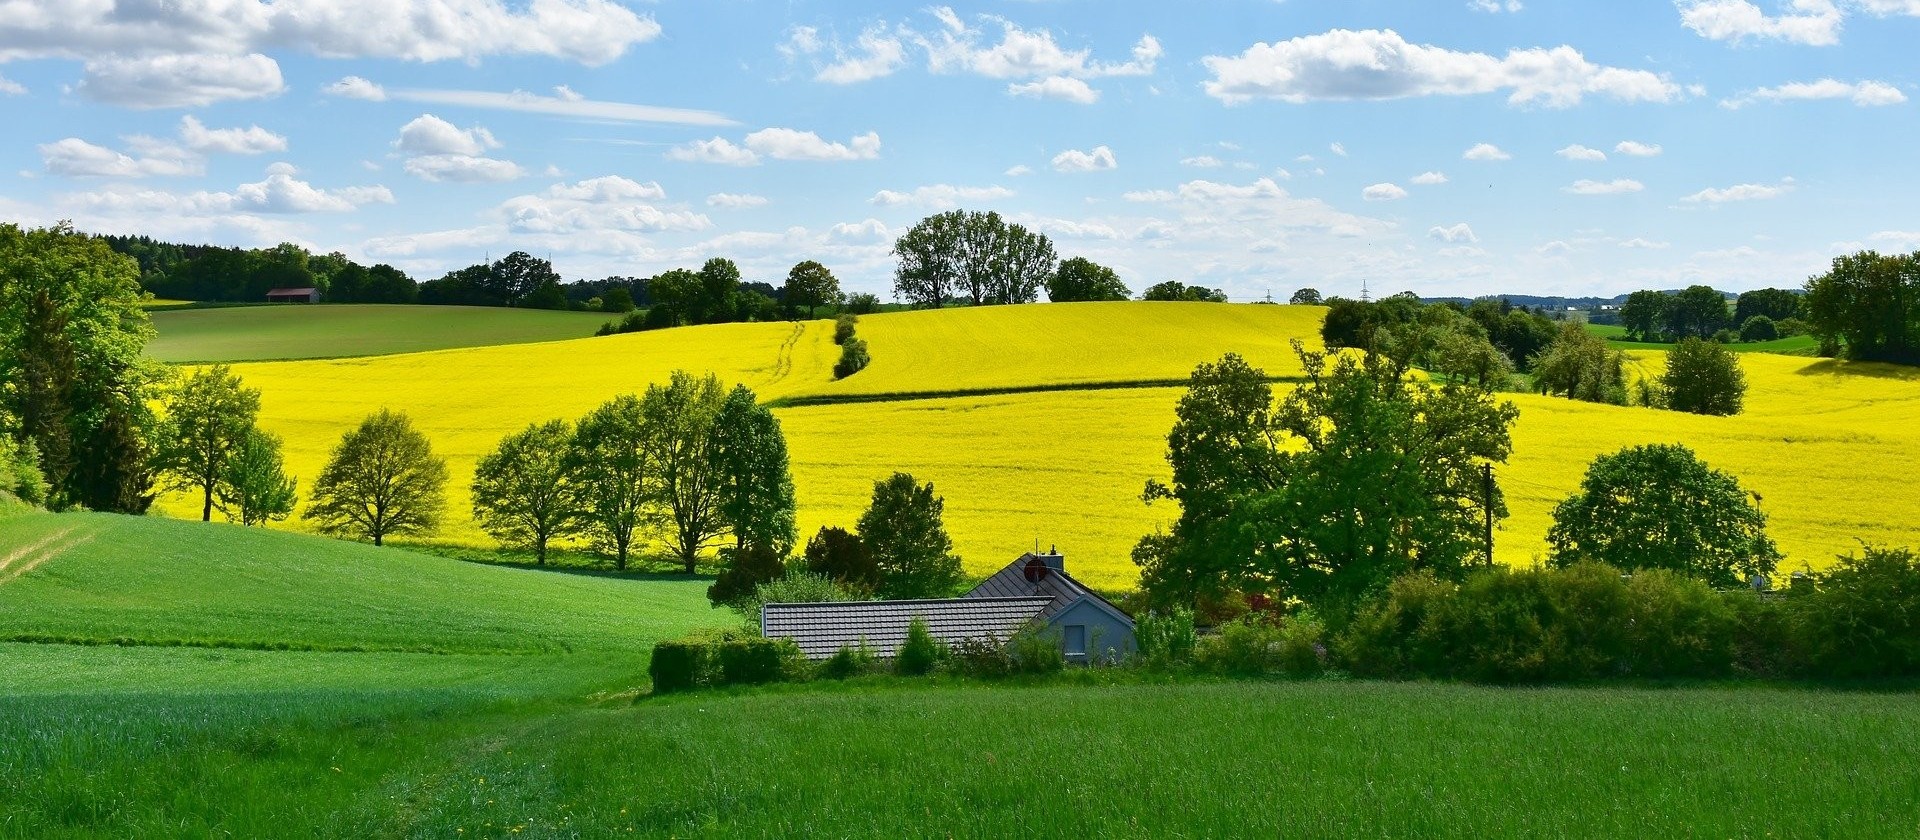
pixel 328 331
pixel 1799 345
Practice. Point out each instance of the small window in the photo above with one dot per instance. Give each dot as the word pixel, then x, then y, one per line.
pixel 1076 640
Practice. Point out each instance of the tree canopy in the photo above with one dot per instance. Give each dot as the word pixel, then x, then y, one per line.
pixel 1080 279
pixel 1660 507
pixel 1704 377
pixel 610 465
pixel 811 285
pixel 677 432
pixel 209 416
pixel 523 493
pixel 978 257
pixel 1871 304
pixel 382 479
pixel 903 529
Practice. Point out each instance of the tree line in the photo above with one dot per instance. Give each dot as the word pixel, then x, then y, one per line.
pixel 1702 312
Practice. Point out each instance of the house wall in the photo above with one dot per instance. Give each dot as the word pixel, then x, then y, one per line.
pixel 1105 633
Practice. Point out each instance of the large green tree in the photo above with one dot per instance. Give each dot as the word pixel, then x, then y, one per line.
pixel 1704 377
pixel 1080 279
pixel 747 453
pixel 1580 366
pixel 839 555
pixel 382 479
pixel 610 467
pixel 811 285
pixel 254 488
pixel 72 366
pixel 979 256
pixel 523 493
pixel 1870 303
pixel 1356 476
pixel 904 530
pixel 1775 304
pixel 677 428
pixel 1697 311
pixel 719 282
pixel 1660 507
pixel 208 417
pixel 1644 314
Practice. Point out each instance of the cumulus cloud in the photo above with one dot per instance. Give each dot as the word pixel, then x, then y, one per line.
pixel 1461 232
pixel 717 150
pixel 598 205
pixel 354 87
pixel 1812 22
pixel 1864 94
pixel 1384 192
pixel 1739 192
pixel 1063 88
pixel 252 140
pixel 1202 162
pixel 9 87
pixel 1338 149
pixel 1613 187
pixel 179 81
pixel 75 157
pixel 1074 160
pixel 877 53
pixel 868 230
pixel 1579 152
pixel 790 144
pixel 1379 64
pixel 1022 53
pixel 1486 151
pixel 940 196
pixel 607 189
pixel 1634 148
pixel 431 135
pixel 463 168
pixel 1428 179
pixel 736 201
pixel 281 192
pixel 1494 6
pixel 1644 244
pixel 1018 170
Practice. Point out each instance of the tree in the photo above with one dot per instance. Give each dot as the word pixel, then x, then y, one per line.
pixel 1579 365
pixel 1697 311
pixel 1305 297
pixel 611 469
pixel 677 430
pixel 1468 356
pixel 1175 290
pixel 929 255
pixel 810 284
pixel 837 554
pixel 1660 507
pixel 979 255
pixel 853 358
pixel 1644 313
pixel 1704 377
pixel 1355 477
pixel 902 528
pixel 1080 279
pixel 748 456
pixel 1871 303
pixel 1775 304
pixel 719 281
pixel 382 480
pixel 522 491
pixel 255 488
pixel 1759 328
pixel 73 370
pixel 209 416
pixel 676 297
pixel 744 569
pixel 518 276
pixel 617 299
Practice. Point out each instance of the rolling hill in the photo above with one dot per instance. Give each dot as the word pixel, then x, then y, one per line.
pixel 254 333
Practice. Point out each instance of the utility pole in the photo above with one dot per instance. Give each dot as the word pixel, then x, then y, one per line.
pixel 1486 505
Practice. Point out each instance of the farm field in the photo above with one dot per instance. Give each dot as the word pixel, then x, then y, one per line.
pixel 1066 467
pixel 1799 345
pixel 324 331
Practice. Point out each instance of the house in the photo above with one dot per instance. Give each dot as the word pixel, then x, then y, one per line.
pixel 293 296
pixel 1033 590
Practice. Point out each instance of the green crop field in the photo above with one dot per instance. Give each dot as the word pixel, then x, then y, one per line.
pixel 328 331
pixel 1799 345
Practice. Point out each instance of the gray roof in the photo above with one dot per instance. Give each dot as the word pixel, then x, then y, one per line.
pixel 822 629
pixel 1056 585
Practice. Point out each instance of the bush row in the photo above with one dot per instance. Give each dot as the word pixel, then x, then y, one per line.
pixel 710 659
pixel 721 658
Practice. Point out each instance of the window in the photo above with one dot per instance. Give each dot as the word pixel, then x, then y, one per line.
pixel 1076 640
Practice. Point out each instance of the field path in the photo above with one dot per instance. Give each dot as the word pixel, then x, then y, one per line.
pixel 28 558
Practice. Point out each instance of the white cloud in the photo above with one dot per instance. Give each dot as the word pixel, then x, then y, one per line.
pixel 354 87
pixel 1644 244
pixel 1579 152
pixel 1428 179
pixel 75 157
pixel 1812 22
pixel 1739 192
pixel 1379 64
pixel 1202 162
pixel 251 140
pixel 1635 148
pixel 567 94
pixel 9 87
pixel 1864 94
pixel 1461 232
pixel 876 54
pixel 1063 88
pixel 1023 53
pixel 1486 151
pixel 279 193
pixel 1074 160
pixel 1494 6
pixel 1613 187
pixel 789 144
pixel 431 135
pixel 940 196
pixel 717 150
pixel 179 81
pixel 737 201
pixel 1018 170
pixel 1338 149
pixel 556 106
pixel 868 230
pixel 607 189
pixel 597 206
pixel 1462 251
pixel 1384 192
pixel 463 168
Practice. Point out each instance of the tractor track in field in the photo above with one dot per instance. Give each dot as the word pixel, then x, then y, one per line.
pixel 28 558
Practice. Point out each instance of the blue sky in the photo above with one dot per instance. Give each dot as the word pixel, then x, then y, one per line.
pixel 1441 146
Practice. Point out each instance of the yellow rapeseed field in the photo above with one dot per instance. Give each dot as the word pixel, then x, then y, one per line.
pixel 1830 446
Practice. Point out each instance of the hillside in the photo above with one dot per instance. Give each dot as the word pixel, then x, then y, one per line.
pixel 254 333
pixel 1827 444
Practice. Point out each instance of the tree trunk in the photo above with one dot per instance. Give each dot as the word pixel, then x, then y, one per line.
pixel 540 550
pixel 206 510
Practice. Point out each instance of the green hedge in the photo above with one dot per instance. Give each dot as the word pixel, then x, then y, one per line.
pixel 717 658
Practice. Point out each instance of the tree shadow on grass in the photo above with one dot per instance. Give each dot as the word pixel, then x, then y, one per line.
pixel 639 567
pixel 1875 370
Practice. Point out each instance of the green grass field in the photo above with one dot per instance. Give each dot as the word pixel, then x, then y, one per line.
pixel 328 331
pixel 1799 345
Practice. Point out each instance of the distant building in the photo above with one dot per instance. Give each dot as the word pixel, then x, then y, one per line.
pixel 293 296
pixel 1034 590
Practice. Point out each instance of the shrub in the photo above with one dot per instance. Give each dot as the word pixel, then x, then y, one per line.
pixel 920 652
pixel 676 665
pixel 1247 646
pixel 988 658
pixel 751 661
pixel 795 588
pixel 1863 618
pixel 746 569
pixel 1393 635
pixel 850 661
pixel 863 304
pixel 1678 627
pixel 1763 634
pixel 1790 327
pixel 1165 639
pixel 838 554
pixel 1536 625
pixel 1704 377
pixel 853 359
pixel 1759 328
pixel 20 470
pixel 1303 645
pixel 1035 650
pixel 843 327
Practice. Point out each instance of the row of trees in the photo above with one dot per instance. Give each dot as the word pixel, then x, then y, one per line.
pixel 206 272
pixel 1701 312
pixel 1869 304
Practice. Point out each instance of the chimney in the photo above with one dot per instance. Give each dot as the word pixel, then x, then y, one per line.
pixel 1052 559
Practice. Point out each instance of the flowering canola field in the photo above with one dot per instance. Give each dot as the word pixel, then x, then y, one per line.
pixel 1830 446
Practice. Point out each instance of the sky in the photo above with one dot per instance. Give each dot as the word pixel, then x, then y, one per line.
pixel 1446 147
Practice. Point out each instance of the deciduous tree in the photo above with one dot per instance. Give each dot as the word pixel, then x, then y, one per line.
pixel 1660 507
pixel 747 454
pixel 611 468
pixel 677 427
pixel 208 418
pixel 903 529
pixel 811 285
pixel 256 488
pixel 383 479
pixel 523 493
pixel 840 555
pixel 1704 377
pixel 1305 297
pixel 1079 279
